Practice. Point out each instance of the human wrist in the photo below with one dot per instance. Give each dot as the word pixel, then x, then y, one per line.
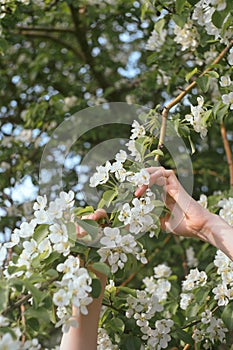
pixel 206 232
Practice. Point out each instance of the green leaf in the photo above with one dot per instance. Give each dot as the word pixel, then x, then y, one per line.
pixel 127 290
pixel 90 226
pixel 83 211
pixel 227 315
pixel 71 229
pixel 96 288
pixel 3 46
pixel 180 5
pixel 158 152
pixel 132 343
pixel 40 313
pixel 41 232
pixel 108 197
pixel 186 337
pixel 213 74
pixel 4 292
pixel 204 83
pixel 102 268
pixel 191 145
pixel 218 18
pixel 193 2
pixel 189 75
pixel 116 325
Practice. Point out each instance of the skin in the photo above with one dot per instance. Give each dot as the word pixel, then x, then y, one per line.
pixel 186 218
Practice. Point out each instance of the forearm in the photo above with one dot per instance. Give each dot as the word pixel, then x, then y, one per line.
pixel 85 336
pixel 218 233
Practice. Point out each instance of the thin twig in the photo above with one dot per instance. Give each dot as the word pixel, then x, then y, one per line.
pixel 177 99
pixel 227 150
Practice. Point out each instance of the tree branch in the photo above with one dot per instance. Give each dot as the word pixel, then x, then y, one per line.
pixel 46 29
pixel 59 41
pixel 228 151
pixel 80 32
pixel 177 99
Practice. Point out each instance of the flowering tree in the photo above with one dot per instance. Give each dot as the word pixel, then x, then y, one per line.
pixel 163 292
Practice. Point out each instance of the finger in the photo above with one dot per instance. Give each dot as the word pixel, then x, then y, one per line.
pixel 158 176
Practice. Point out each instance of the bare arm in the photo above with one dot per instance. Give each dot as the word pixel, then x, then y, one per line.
pixel 85 336
pixel 187 217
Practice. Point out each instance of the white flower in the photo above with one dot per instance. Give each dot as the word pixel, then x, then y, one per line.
pixel 8 343
pixel 134 152
pixel 140 178
pixel 225 81
pixel 58 233
pixel 45 248
pixel 203 201
pixel 3 254
pixel 41 203
pixel 191 259
pixel 66 200
pixel 125 214
pixel 4 322
pixel 121 156
pixel 221 294
pixel 185 300
pixel 230 57
pixel 41 216
pixel 26 229
pixel 219 4
pixel 187 36
pixel 30 248
pixel 101 176
pixel 112 237
pixel 137 130
pixel 156 40
pixel 196 117
pixel 228 99
pixel 226 212
pixel 61 298
pixel 55 210
pixel 194 279
pixel 84 302
pixel 162 270
pixel 216 330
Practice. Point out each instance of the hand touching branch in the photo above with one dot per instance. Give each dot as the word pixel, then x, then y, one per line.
pixel 187 217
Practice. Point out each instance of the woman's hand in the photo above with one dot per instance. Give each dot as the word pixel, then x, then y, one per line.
pixel 97 215
pixel 187 217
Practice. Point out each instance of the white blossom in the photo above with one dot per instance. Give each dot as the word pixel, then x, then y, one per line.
pixel 225 80
pixel 228 99
pixel 156 40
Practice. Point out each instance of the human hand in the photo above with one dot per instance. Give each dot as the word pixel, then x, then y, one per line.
pixel 96 216
pixel 187 217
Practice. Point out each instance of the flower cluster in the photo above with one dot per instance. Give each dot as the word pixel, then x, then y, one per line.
pixel 146 303
pixel 158 284
pixel 193 280
pixel 115 247
pixel 203 12
pixel 104 342
pixel 212 329
pixel 54 236
pixel 138 215
pixel 226 212
pixel 187 36
pixel 197 117
pixel 223 292
pixel 73 289
pixel 156 40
